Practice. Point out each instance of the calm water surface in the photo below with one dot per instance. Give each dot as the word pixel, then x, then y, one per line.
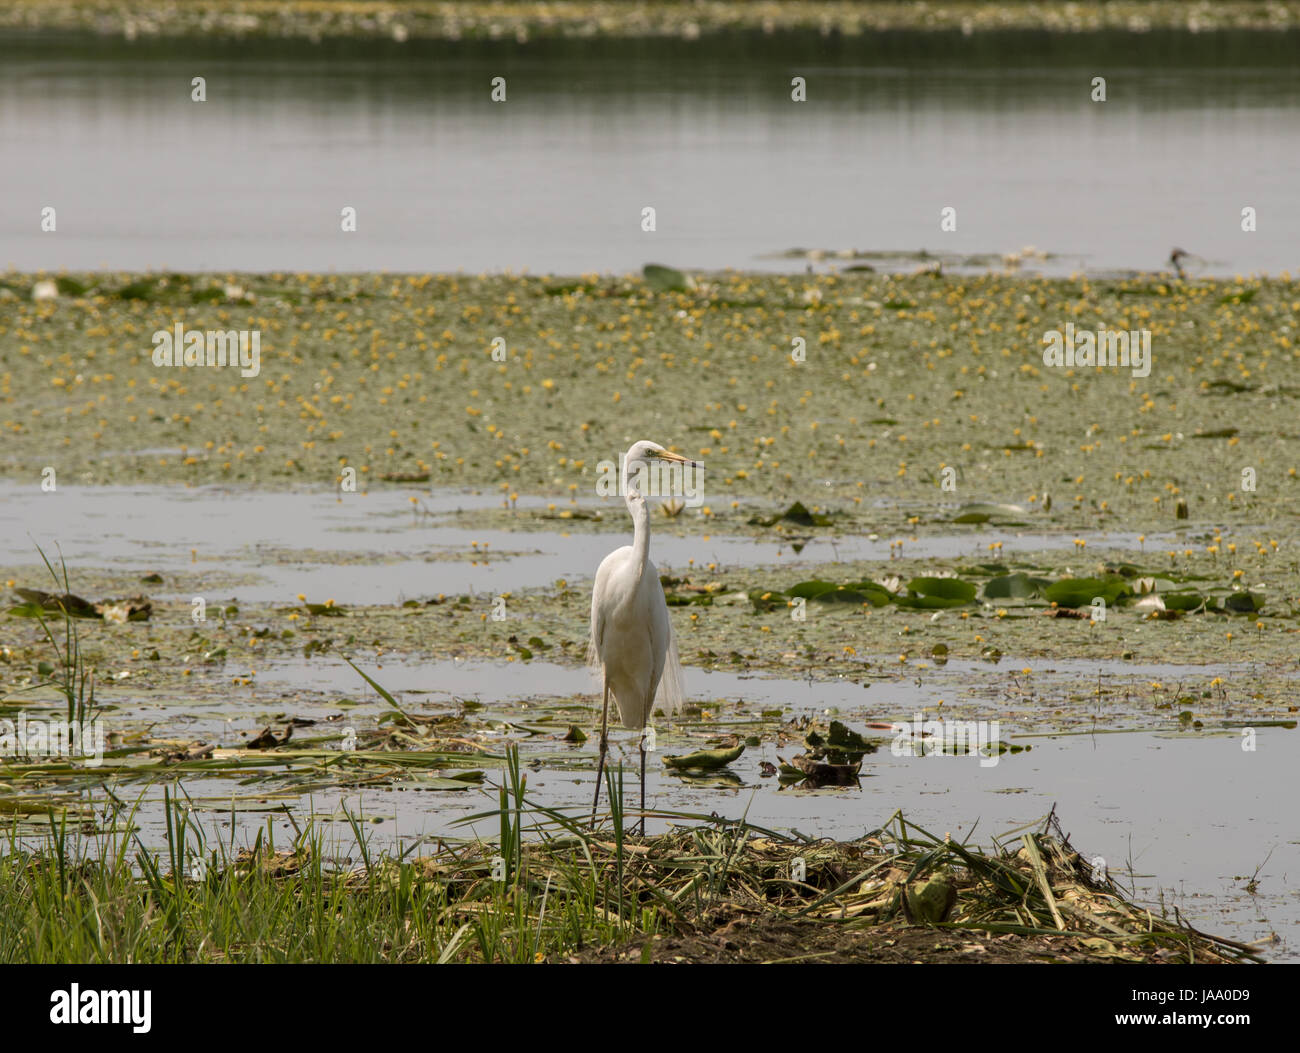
pixel 896 127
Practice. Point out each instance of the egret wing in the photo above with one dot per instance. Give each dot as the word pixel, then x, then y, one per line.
pixel 670 695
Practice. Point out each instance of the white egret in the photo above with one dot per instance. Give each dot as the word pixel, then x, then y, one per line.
pixel 632 643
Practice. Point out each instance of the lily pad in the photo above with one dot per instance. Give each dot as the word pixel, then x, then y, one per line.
pixel 798 514
pixel 1018 586
pixel 937 593
pixel 326 610
pixel 982 513
pixel 1080 592
pixel 1183 601
pixel 829 592
pixel 705 760
pixel 843 737
pixel 1243 602
pixel 665 279
pixel 688 599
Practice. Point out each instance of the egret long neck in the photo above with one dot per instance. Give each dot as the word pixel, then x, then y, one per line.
pixel 631 478
pixel 641 533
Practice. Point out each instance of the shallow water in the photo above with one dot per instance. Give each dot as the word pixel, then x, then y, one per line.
pixel 1186 816
pixel 449 679
pixel 897 126
pixel 1191 817
pixel 263 538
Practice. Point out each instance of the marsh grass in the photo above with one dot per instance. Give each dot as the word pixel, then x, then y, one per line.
pixel 74 680
pixel 564 888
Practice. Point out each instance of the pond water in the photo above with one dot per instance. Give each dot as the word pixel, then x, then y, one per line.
pixel 373 549
pixel 897 126
pixel 1182 819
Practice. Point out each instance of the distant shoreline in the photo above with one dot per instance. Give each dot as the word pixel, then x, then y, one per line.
pixel 404 20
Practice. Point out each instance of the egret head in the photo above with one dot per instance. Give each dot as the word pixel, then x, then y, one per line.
pixel 645 463
pixel 644 452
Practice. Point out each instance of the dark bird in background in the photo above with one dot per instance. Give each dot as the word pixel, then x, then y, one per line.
pixel 1176 257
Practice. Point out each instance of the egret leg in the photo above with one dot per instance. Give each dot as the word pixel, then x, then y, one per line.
pixel 643 782
pixel 600 766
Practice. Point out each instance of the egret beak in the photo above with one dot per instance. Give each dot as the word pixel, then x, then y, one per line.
pixel 668 455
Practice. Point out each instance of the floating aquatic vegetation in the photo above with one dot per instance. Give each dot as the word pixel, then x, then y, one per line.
pixel 666 279
pixel 706 760
pixel 867 432
pixel 1009 515
pixel 469 20
pixel 936 593
pixel 807 770
pixel 1017 586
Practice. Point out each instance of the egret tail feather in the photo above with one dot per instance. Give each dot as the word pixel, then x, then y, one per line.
pixel 671 696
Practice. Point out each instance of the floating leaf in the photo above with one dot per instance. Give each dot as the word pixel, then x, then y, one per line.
pixel 1183 601
pixel 1230 386
pixel 982 513
pixel 1080 592
pixel 816 773
pixel 70 286
pixel 765 600
pixel 1242 296
pixel 1243 602
pixel 811 589
pixel 937 593
pixel 144 289
pixel 665 279
pixel 844 737
pixel 867 592
pixel 705 760
pixel 75 606
pixel 326 610
pixel 798 514
pixel 687 599
pixel 26 610
pixel 1018 586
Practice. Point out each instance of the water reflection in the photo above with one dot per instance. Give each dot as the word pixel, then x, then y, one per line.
pixel 896 127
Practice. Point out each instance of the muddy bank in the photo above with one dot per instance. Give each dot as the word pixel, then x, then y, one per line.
pixel 413 20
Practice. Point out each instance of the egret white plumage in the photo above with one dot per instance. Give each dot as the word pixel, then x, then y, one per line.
pixel 632 643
